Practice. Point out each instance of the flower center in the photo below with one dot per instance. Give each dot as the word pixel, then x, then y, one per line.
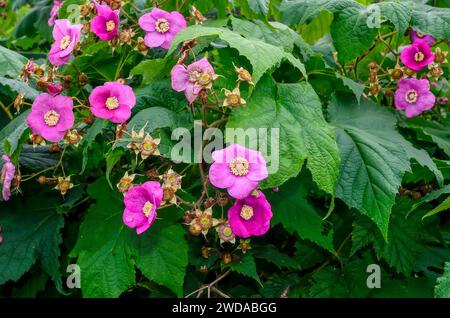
pixel 239 166
pixel 51 118
pixel 148 206
pixel 110 25
pixel 162 25
pixel 411 96
pixel 227 231
pixel 205 222
pixel 204 79
pixel 233 99
pixel 112 103
pixel 246 212
pixel 194 75
pixel 419 57
pixel 65 42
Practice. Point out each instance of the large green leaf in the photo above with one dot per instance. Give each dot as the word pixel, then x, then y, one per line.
pixel 351 33
pixel 31 232
pixel 10 62
pixel 246 266
pixel 152 70
pixel 296 111
pixel 431 20
pixel 399 13
pixel 261 55
pixel 106 249
pixel 163 256
pixel 19 87
pixel 372 163
pixel 291 208
pixel 404 245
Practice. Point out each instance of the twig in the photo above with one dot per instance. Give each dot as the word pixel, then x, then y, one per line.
pixel 209 286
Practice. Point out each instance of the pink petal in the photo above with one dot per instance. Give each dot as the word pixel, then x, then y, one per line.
pixel 242 188
pixel 154 39
pixel 179 78
pixel 220 175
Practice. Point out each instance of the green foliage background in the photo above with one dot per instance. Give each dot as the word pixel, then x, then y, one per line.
pixel 344 158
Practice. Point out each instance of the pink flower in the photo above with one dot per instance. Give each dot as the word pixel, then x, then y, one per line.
pixel 415 35
pixel 141 203
pixel 414 96
pixel 66 36
pixel 161 27
pixel 54 89
pixel 54 12
pixel 112 101
pixel 250 216
pixel 193 78
pixel 106 24
pixel 417 55
pixel 51 116
pixel 237 169
pixel 6 177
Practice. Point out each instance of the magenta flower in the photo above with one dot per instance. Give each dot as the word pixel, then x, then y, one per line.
pixel 415 35
pixel 54 12
pixel 237 169
pixel 51 116
pixel 250 216
pixel 414 96
pixel 106 24
pixel 112 101
pixel 193 78
pixel 161 27
pixel 7 177
pixel 54 89
pixel 66 36
pixel 141 203
pixel 417 55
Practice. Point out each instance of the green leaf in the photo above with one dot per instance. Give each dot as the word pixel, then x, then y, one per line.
pixel 445 205
pixel 10 63
pixel 31 231
pixel 372 163
pixel 296 111
pixel 246 266
pixel 347 282
pixel 442 289
pixel 399 13
pixel 430 197
pixel 351 33
pixel 261 55
pixel 278 34
pixel 91 133
pixel 19 87
pixel 431 131
pixel 355 87
pixel 424 159
pixel 431 20
pixel 291 208
pixel 152 70
pixel 106 249
pixel 163 256
pixel 404 245
pixel 303 11
pixel 112 158
pixel 271 254
pixel 12 135
pixel 260 7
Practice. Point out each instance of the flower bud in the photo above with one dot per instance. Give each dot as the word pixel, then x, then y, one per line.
pixel 42 180
pixel 226 258
pixel 195 229
pixel 82 79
